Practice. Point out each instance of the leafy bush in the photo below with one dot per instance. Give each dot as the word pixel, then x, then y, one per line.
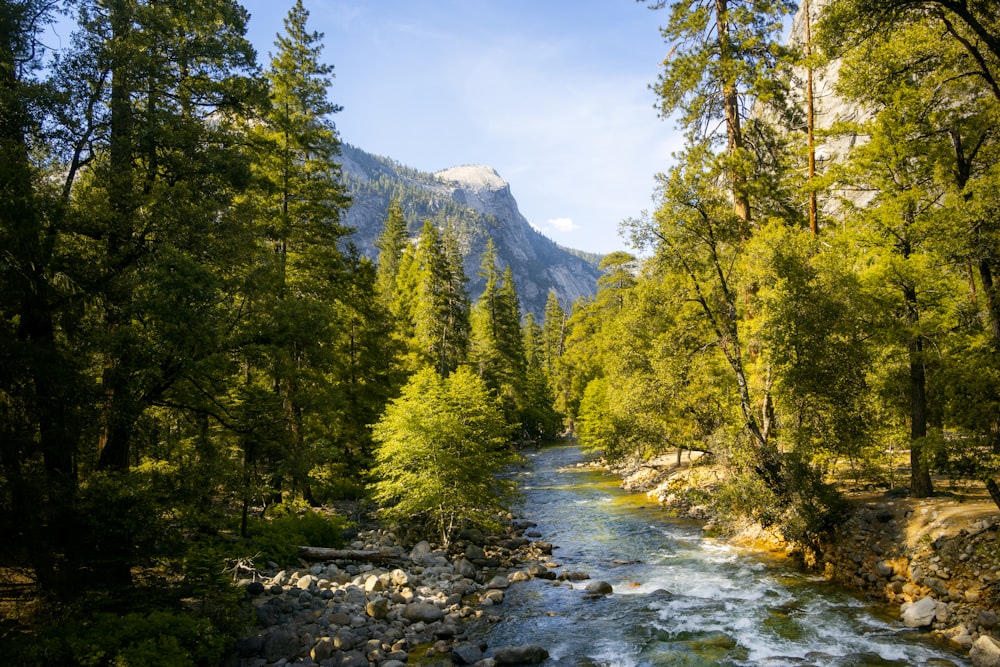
pixel 801 505
pixel 440 446
pixel 293 524
pixel 155 639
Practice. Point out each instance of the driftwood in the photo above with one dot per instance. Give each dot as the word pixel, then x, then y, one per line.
pixel 324 553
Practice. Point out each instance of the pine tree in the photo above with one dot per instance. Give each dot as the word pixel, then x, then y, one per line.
pixel 723 54
pixel 303 290
pixel 440 309
pixel 391 243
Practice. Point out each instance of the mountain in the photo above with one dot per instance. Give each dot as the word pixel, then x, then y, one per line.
pixel 477 203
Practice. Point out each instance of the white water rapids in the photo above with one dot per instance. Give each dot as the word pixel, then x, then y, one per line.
pixel 679 598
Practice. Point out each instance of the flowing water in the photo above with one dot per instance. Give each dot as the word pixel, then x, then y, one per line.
pixel 680 598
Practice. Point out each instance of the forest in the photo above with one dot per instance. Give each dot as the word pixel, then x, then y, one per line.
pixel 195 361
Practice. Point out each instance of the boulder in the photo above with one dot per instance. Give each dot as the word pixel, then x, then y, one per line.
pixel 374 584
pixel 354 659
pixel 466 653
pixel 475 552
pixel 540 571
pixel 518 576
pixel 322 650
pixel 422 612
pixel 491 597
pixel 281 643
pixel 600 588
pixel 921 613
pixel 420 550
pixel 377 608
pixel 498 582
pixel 344 640
pixel 520 655
pixel 464 568
pixel 400 577
pixel 544 547
pixel 985 652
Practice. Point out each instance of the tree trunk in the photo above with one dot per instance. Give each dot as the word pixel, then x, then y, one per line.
pixel 920 478
pixel 992 303
pixel 731 103
pixel 323 553
pixel 994 489
pixel 810 123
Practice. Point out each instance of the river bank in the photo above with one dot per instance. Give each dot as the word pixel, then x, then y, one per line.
pixel 385 604
pixel 936 558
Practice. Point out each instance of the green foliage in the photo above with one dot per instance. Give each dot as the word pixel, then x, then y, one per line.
pixel 289 525
pixel 155 639
pixel 801 507
pixel 440 448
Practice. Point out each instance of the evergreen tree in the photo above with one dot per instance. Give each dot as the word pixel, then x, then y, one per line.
pixel 538 417
pixel 41 383
pixel 553 334
pixel 724 53
pixel 439 307
pixel 305 286
pixel 497 338
pixel 391 243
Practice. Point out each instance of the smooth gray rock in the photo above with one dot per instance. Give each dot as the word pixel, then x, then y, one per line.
pixel 422 611
pixel 464 568
pixel 420 550
pixel 520 655
pixel 921 613
pixel 599 588
pixel 323 649
pixel 281 643
pixel 354 659
pixel 377 608
pixel 985 652
pixel 466 653
pixel 344 640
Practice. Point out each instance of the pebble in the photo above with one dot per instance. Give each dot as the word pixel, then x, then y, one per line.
pixel 361 615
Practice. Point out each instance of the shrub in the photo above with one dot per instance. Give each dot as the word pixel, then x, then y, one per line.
pixel 440 446
pixel 154 639
pixel 293 524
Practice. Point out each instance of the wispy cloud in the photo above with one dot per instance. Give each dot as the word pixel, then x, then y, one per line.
pixel 559 225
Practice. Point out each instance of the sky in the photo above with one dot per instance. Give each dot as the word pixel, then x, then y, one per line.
pixel 553 94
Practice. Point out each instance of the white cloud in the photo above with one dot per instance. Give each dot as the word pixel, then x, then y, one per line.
pixel 556 225
pixel 562 224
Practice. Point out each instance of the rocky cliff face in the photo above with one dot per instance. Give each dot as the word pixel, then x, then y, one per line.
pixel 829 107
pixel 478 204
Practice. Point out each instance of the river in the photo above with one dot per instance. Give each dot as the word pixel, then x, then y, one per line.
pixel 680 598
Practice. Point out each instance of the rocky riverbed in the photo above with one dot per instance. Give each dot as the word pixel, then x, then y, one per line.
pixel 409 604
pixel 938 559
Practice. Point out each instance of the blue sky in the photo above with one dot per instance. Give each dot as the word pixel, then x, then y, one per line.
pixel 554 94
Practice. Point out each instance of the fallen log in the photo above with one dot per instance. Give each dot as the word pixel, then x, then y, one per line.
pixel 367 555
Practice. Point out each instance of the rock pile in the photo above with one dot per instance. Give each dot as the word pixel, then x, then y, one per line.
pixel 413 602
pixel 943 580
